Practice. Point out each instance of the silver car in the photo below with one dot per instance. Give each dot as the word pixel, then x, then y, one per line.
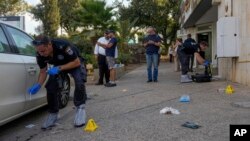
pixel 19 71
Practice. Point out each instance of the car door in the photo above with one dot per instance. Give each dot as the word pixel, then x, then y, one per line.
pixel 27 53
pixel 12 81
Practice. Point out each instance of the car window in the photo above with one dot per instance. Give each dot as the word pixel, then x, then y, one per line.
pixel 23 41
pixel 4 46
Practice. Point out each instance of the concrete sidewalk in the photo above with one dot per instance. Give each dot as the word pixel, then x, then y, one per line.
pixel 131 111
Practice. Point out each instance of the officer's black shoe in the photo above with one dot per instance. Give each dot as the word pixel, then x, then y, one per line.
pixel 155 80
pixel 149 81
pixel 110 84
pixel 98 83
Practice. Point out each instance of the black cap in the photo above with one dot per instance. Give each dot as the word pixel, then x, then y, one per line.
pixel 106 31
pixel 111 31
pixel 41 40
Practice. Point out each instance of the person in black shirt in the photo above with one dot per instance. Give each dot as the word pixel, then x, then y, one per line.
pixel 200 53
pixel 65 58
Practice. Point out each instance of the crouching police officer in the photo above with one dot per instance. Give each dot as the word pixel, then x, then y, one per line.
pixel 64 58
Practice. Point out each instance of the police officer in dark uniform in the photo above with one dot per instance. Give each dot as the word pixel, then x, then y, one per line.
pixel 191 56
pixel 64 57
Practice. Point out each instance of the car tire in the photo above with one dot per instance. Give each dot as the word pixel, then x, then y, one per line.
pixel 64 93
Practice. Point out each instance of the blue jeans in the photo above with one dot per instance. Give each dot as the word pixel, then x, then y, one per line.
pixel 152 59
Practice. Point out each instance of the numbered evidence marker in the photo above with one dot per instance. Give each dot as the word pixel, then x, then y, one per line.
pixel 239 132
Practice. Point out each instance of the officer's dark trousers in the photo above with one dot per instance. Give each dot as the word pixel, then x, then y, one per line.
pixel 103 68
pixel 184 61
pixel 191 63
pixel 54 83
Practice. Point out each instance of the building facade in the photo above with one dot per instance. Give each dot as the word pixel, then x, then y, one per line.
pixel 224 24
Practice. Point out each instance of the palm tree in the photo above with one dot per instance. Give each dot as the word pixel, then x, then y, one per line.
pixel 94 18
pixel 96 15
pixel 126 31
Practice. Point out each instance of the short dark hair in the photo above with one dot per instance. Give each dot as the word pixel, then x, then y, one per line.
pixel 106 31
pixel 204 43
pixel 111 31
pixel 189 35
pixel 41 40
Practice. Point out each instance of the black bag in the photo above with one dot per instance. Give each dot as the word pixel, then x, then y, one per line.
pixel 201 78
pixel 206 77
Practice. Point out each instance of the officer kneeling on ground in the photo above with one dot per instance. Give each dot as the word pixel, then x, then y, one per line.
pixel 64 57
pixel 185 50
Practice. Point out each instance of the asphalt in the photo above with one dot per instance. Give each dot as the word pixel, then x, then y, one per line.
pixel 131 110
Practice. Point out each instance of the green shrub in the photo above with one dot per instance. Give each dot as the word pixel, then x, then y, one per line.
pixel 124 58
pixel 90 59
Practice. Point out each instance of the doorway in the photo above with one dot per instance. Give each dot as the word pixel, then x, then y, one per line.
pixel 207 37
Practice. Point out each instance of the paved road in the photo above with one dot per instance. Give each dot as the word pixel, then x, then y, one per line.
pixel 130 112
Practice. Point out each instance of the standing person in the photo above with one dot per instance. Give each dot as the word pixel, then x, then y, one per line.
pixel 101 58
pixel 184 60
pixel 110 56
pixel 152 43
pixel 184 50
pixel 63 56
pixel 191 55
pixel 175 55
pixel 170 53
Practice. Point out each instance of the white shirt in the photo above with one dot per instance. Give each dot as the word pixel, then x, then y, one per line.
pixel 170 50
pixel 99 49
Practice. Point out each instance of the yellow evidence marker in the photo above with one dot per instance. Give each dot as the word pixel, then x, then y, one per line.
pixel 91 126
pixel 229 89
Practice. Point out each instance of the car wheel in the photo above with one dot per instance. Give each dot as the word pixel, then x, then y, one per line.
pixel 64 93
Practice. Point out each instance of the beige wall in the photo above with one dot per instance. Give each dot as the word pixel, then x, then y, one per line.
pixel 187 31
pixel 238 69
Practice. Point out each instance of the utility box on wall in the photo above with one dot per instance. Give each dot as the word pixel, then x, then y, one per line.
pixel 228 37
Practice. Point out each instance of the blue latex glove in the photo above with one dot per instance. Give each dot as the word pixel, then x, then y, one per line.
pixel 206 63
pixel 34 89
pixel 184 98
pixel 53 71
